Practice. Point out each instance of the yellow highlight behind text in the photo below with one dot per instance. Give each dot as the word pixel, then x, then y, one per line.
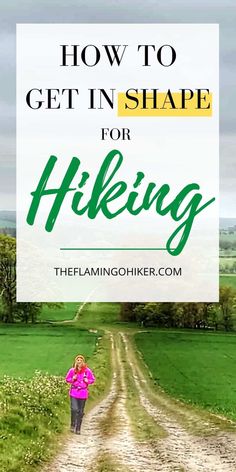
pixel 164 108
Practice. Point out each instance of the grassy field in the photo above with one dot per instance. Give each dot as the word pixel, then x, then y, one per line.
pixel 31 416
pixel 33 412
pixel 192 366
pixel 99 315
pixel 47 348
pixel 34 409
pixel 197 368
pixel 228 265
pixel 51 347
pixel 227 261
pixel 228 280
pixel 66 312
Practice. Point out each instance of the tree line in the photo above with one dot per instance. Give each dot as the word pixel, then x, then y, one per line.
pixel 184 315
pixel 226 268
pixel 226 244
pixel 168 315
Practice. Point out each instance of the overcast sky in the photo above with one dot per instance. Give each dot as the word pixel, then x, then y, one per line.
pixel 132 11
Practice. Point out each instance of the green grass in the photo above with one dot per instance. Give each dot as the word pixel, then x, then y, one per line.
pixel 228 280
pixel 105 462
pixel 227 261
pixel 48 348
pixel 143 425
pixel 197 368
pixel 66 312
pixel 35 411
pixel 100 363
pixel 32 414
pixel 99 315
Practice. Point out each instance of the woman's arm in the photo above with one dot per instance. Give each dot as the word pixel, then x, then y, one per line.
pixel 90 376
pixel 70 376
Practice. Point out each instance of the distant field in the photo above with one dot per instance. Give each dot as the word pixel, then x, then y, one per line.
pixel 227 261
pixel 99 314
pixel 93 313
pixel 195 367
pixel 228 265
pixel 228 280
pixel 67 312
pixel 227 253
pixel 48 348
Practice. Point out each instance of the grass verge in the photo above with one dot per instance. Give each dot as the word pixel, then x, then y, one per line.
pixel 106 463
pixel 192 414
pixel 228 280
pixel 144 427
pixel 100 363
pixel 34 413
pixel 109 424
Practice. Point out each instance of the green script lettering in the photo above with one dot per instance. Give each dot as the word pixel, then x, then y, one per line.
pixel 105 191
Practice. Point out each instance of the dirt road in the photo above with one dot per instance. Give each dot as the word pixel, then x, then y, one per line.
pixel 193 442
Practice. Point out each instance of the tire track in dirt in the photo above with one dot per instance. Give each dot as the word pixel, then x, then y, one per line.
pixel 132 454
pixel 80 452
pixel 208 454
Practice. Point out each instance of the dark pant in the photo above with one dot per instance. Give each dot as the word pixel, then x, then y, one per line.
pixel 77 412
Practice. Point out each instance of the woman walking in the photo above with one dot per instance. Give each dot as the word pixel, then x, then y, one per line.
pixel 80 377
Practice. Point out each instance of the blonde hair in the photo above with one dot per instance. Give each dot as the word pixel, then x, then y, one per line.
pixel 79 356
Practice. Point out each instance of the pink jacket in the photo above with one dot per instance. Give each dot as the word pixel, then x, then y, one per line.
pixel 79 387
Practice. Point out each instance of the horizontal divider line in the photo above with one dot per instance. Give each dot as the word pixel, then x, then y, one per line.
pixel 113 249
